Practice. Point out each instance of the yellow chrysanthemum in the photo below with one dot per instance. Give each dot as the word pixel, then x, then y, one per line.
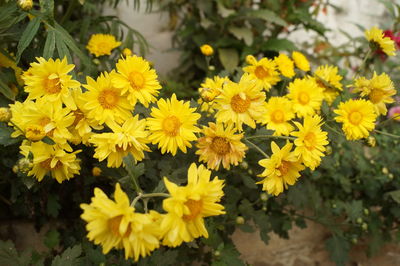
pixel 301 61
pixel 379 90
pixel 281 170
pixel 264 72
pixel 137 80
pixel 285 65
pixel 50 80
pixel 279 112
pixel 52 118
pixel 358 118
pixel 328 79
pixel 127 52
pixel 189 205
pixel 172 125
pixel 206 50
pixel 102 44
pixel 311 141
pixel 208 91
pixel 52 160
pixel 377 38
pixel 239 103
pixel 115 224
pixel 306 96
pixel 219 145
pixel 130 138
pixel 105 102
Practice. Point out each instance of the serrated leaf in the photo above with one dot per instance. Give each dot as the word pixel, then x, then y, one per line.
pixel 249 182
pixel 354 209
pixel 278 45
pixel 69 257
pixel 50 44
pixel 230 256
pixel 229 58
pixel 268 16
pixel 395 195
pixel 10 256
pixel 27 36
pixel 242 34
pixel 338 249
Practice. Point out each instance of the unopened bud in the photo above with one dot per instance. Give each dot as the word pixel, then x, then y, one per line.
pixel 25 4
pixel 24 165
pixel 264 196
pixel 244 165
pixel 328 150
pixel 239 220
pixel 5 114
pixel 385 171
pixel 96 171
pixel 34 132
pixel 127 52
pixel 371 141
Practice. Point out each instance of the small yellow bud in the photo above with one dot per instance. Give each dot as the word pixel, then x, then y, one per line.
pixel 244 165
pixel 217 253
pixel 15 169
pixel 264 208
pixel 371 141
pixel 359 220
pixel 96 171
pixel 239 220
pixel 25 4
pixel 385 171
pixel 24 165
pixel 328 150
pixel 264 196
pixel 206 50
pixel 96 61
pixel 127 52
pixel 211 68
pixel 34 132
pixel 5 114
pixel 391 176
pixel 364 226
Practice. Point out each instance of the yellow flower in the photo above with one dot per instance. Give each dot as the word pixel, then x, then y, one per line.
pixel 328 79
pixel 306 96
pixel 285 65
pixel 172 125
pixel 206 50
pixel 25 4
pixel 377 38
pixel 358 118
pixel 81 128
pixel 102 44
pixel 104 102
pixel 189 205
pixel 34 132
pixel 281 170
pixel 115 224
pixel 209 90
pixel 279 112
pixel 52 160
pixel 130 138
pixel 50 80
pixel 240 103
pixel 136 80
pixel 220 145
pixel 53 118
pixel 127 52
pixel 5 114
pixel 301 61
pixel 379 90
pixel 264 72
pixel 96 171
pixel 311 141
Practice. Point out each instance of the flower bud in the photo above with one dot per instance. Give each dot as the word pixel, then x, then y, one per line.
pixel 328 150
pixel 34 132
pixel 24 165
pixel 239 220
pixel 96 171
pixel 5 114
pixel 371 141
pixel 264 196
pixel 206 50
pixel 244 165
pixel 25 4
pixel 364 226
pixel 385 171
pixel 359 220
pixel 127 52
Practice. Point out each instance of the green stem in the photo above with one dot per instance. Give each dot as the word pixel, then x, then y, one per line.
pixel 362 66
pixel 257 148
pixel 334 130
pixel 69 11
pixel 387 120
pixel 271 136
pixel 148 195
pixel 387 134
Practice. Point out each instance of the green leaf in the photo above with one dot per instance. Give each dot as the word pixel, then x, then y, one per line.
pixel 229 58
pixel 50 44
pixel 230 256
pixel 338 249
pixel 354 209
pixel 223 11
pixel 69 257
pixel 52 238
pixel 27 36
pixel 47 8
pixel 10 256
pixel 249 182
pixel 5 89
pixel 48 140
pixel 5 135
pixel 268 16
pixel 62 49
pixel 28 181
pixel 278 45
pixel 53 206
pixel 395 195
pixel 242 34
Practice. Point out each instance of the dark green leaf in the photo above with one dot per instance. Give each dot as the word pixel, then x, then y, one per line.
pixel 278 45
pixel 50 44
pixel 69 257
pixel 27 36
pixel 10 256
pixel 52 239
pixel 229 58
pixel 242 34
pixel 268 16
pixel 338 249
pixel 5 135
pixel 48 140
pixel 62 49
pixel 52 205
pixel 6 90
pixel 395 195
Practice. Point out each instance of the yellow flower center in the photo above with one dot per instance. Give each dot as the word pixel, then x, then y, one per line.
pixel 277 116
pixel 108 99
pixel 220 145
pixel 46 164
pixel 240 105
pixel 303 98
pixel 195 207
pixel 284 167
pixel 52 86
pixel 376 96
pixel 137 80
pixel 260 72
pixel 171 125
pixel 34 132
pixel 114 224
pixel 355 117
pixel 309 140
